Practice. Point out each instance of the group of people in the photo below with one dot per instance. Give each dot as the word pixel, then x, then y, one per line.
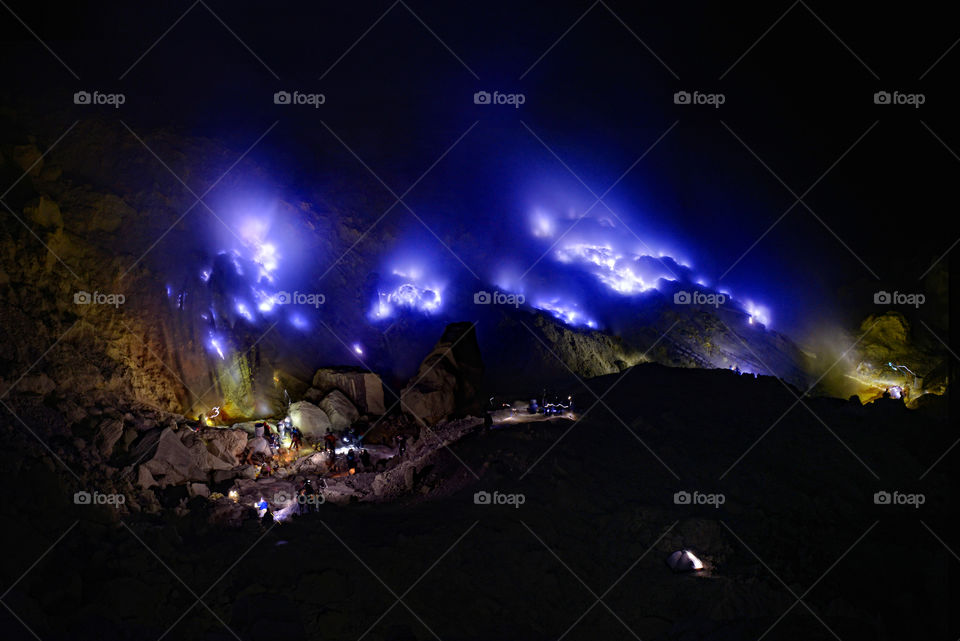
pixel 263 454
pixel 356 457
pixel 308 498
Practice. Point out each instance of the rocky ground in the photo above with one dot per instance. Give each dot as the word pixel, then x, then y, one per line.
pixel 599 514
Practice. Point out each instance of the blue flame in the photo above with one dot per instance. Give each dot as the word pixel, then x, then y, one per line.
pixel 758 313
pixel 624 273
pixel 215 344
pixel 568 313
pixel 408 289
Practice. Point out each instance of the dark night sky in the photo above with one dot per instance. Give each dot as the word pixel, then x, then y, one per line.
pixel 799 99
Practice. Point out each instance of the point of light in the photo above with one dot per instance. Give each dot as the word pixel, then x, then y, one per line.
pixel 358 349
pixel 543 226
pixel 697 563
pixel 215 344
pixel 757 313
pixel 299 322
pixel 567 313
pixel 242 309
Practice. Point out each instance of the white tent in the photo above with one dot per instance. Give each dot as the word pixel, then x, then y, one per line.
pixel 684 561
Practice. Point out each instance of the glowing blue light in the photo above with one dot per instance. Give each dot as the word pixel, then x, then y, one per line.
pixel 629 273
pixel 543 226
pixel 410 296
pixel 358 349
pixel 299 322
pixel 265 301
pixel 235 261
pixel 617 271
pixel 757 313
pixel 205 275
pixel 265 255
pixel 568 314
pixel 215 345
pixel 241 308
pixel 412 273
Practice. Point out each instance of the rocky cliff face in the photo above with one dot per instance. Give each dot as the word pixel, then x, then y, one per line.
pixel 101 215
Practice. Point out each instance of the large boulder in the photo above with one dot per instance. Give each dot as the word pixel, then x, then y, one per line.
pixel 249 427
pixel 108 433
pixel 449 379
pixel 259 445
pixel 226 444
pixel 182 456
pixel 362 387
pixel 339 409
pixel 315 463
pixel 145 480
pixel 44 212
pixel 39 384
pixel 309 419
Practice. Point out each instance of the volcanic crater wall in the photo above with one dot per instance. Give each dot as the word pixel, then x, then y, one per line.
pixel 101 214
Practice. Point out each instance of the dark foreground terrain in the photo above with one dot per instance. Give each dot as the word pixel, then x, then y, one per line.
pixel 798 549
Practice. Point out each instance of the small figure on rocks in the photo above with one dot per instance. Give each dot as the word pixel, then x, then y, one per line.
pixel 296 439
pixel 306 498
pixel 401 444
pixel 365 459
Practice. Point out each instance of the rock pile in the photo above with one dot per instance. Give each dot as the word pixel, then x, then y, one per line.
pixel 449 378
